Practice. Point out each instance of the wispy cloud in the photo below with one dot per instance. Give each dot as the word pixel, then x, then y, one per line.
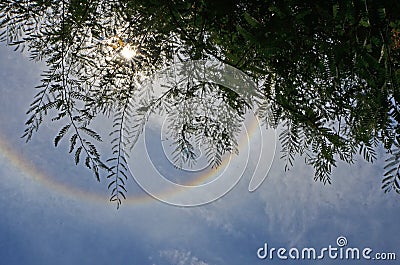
pixel 296 206
pixel 214 217
pixel 181 257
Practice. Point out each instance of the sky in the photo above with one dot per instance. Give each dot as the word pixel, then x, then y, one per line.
pixel 53 212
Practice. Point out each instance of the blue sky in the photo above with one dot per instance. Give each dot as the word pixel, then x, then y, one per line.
pixel 54 212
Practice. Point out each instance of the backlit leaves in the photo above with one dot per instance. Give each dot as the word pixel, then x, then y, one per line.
pixel 327 72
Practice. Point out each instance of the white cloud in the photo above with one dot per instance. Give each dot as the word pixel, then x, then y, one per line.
pixel 295 205
pixel 181 257
pixel 214 217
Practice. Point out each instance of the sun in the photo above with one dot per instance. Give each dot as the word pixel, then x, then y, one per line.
pixel 128 52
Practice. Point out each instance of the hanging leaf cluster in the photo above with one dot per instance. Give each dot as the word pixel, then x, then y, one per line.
pixel 327 75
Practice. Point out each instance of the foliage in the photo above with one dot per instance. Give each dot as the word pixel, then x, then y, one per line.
pixel 328 73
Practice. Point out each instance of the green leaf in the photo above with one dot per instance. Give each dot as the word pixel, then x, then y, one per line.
pixel 61 134
pixel 91 133
pixel 77 154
